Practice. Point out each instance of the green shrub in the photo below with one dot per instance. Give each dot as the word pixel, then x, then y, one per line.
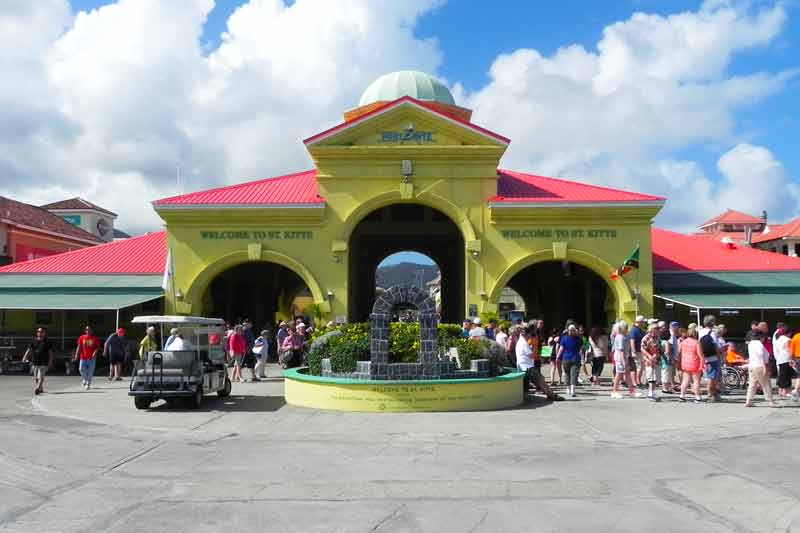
pixel 320 349
pixel 345 352
pixel 467 351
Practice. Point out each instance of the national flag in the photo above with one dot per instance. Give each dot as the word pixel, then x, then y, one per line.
pixel 631 262
pixel 166 282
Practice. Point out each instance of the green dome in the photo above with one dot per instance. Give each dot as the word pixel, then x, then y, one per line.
pixel 406 83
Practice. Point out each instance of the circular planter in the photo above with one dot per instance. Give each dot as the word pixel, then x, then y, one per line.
pixel 479 394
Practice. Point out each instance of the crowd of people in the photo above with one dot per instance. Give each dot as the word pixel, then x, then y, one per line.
pixel 650 358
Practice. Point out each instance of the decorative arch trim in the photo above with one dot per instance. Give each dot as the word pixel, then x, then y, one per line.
pixel 597 265
pixel 425 198
pixel 201 281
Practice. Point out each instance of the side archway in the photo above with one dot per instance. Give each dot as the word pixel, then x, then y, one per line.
pixel 623 295
pixel 201 281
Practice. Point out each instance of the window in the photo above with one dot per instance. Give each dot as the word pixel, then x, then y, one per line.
pixel 785 249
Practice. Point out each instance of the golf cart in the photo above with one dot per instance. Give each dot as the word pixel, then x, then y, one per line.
pixel 186 374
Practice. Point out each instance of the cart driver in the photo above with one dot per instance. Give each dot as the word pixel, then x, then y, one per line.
pixel 179 344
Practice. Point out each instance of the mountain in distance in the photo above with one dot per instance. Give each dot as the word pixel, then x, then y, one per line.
pixel 404 274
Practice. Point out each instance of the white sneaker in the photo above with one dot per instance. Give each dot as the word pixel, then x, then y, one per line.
pixel 616 395
pixel 85 386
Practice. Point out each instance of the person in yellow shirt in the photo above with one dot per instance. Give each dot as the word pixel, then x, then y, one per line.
pixel 794 350
pixel 148 344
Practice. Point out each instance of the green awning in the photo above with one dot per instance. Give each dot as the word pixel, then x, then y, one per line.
pixel 77 292
pixel 759 300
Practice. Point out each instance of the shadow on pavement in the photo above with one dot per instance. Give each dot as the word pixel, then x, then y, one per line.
pixel 235 403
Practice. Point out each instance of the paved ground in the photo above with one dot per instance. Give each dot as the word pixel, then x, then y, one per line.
pixel 88 461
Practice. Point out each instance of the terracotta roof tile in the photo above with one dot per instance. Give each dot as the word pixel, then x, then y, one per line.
pixel 732 217
pixel 17 213
pixel 77 204
pixel 146 254
pixel 519 187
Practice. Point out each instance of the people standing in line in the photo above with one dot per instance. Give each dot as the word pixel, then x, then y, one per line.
pixel 635 336
pixel 622 361
pixel 794 349
pixel 569 353
pixel 280 336
pixel 757 361
pixel 651 358
pixel 237 345
pixel 261 349
pixel 39 354
pixel 293 347
pixel 783 360
pixel 525 363
pixel 692 363
pixel 501 337
pixel 86 352
pixel 598 342
pixel 555 362
pixel 149 343
pixel 491 329
pixel 477 332
pixel 753 328
pixel 670 358
pixel 172 333
pixel 114 352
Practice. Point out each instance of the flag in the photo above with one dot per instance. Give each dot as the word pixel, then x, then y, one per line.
pixel 166 282
pixel 631 262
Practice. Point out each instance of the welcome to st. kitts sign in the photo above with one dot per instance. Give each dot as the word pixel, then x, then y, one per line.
pixel 560 233
pixel 271 235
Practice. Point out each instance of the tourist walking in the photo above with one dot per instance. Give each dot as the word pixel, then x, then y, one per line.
pixel 651 358
pixel 670 358
pixel 692 363
pixel 707 337
pixel 237 345
pixel 623 360
pixel 41 358
pixel 635 337
pixel 86 352
pixel 783 360
pixel 149 343
pixel 569 353
pixel 757 361
pixel 525 363
pixel 555 362
pixel 794 348
pixel 114 352
pixel 598 341
pixel 261 351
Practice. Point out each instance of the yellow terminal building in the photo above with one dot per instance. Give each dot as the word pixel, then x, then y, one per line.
pixel 407 170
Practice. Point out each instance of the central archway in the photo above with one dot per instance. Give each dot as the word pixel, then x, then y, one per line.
pixel 404 227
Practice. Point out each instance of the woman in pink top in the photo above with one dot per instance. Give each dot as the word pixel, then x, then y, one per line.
pixel 692 364
pixel 237 346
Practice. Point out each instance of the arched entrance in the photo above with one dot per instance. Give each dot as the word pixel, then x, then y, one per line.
pixel 259 290
pixel 405 227
pixel 559 290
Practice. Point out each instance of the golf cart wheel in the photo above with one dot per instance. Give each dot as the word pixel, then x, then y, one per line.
pixel 141 403
pixel 225 391
pixel 197 399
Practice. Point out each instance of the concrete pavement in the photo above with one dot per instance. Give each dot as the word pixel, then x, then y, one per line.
pixel 73 461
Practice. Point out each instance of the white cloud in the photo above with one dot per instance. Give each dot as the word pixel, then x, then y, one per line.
pixel 109 103
pixel 656 85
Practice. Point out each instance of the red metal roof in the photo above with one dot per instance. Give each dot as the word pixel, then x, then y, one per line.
pixel 35 218
pixel 77 204
pixel 400 101
pixel 513 187
pixel 146 254
pixel 679 252
pixel 732 217
pixel 780 231
pixel 292 189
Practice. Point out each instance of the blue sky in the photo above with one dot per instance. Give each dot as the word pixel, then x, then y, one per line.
pixel 705 139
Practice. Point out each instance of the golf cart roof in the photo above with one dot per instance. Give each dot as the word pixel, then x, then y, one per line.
pixel 177 319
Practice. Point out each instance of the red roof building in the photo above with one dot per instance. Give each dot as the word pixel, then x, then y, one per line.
pixel 734 226
pixel 28 232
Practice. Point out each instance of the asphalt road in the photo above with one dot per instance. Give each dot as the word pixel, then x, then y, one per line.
pixel 72 460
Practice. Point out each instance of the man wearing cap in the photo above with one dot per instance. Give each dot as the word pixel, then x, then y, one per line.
pixel 114 351
pixel 88 346
pixel 477 332
pixel 635 337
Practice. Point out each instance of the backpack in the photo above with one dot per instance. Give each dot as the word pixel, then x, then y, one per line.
pixel 708 346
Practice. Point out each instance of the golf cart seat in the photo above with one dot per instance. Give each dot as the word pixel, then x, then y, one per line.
pixel 174 363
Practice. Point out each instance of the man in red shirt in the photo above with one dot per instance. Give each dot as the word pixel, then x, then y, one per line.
pixel 86 351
